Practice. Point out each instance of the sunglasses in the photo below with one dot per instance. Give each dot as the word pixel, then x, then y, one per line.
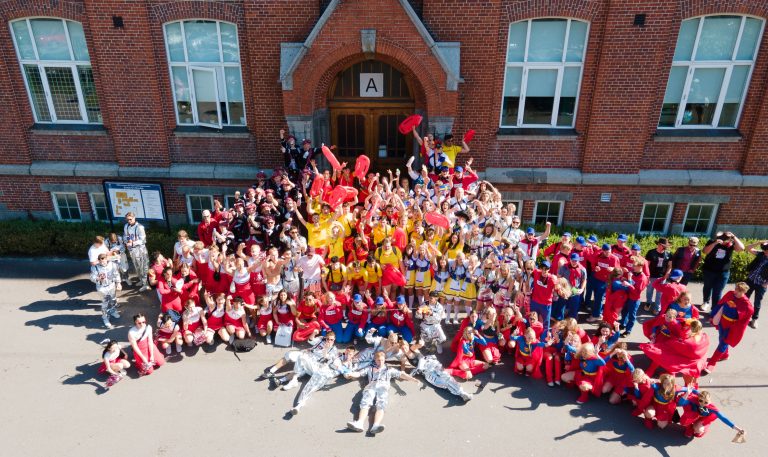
pixel 141 322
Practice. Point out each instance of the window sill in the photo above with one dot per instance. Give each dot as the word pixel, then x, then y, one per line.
pixel 697 136
pixel 208 132
pixel 536 134
pixel 69 129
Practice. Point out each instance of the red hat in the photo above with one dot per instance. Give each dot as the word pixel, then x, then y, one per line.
pixel 306 141
pixel 261 175
pixel 251 205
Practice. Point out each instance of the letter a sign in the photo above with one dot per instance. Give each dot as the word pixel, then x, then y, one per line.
pixel 371 84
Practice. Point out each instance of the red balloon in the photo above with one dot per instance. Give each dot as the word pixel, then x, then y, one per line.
pixel 362 165
pixel 317 186
pixel 351 193
pixel 409 123
pixel 338 194
pixel 469 135
pixel 331 158
pixel 438 219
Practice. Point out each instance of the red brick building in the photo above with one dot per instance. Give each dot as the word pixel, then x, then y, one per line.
pixel 646 115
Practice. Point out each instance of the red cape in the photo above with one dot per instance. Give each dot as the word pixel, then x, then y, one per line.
pixel 685 356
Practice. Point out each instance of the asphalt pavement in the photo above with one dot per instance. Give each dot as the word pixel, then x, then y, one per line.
pixel 208 402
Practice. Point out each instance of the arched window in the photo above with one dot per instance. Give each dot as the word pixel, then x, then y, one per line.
pixel 57 70
pixel 710 72
pixel 204 61
pixel 545 59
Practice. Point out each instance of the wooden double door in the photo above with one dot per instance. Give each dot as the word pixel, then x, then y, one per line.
pixel 371 131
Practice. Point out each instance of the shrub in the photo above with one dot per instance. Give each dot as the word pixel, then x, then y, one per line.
pixel 67 239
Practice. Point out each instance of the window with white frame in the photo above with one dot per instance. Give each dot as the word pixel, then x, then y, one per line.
pixel 548 211
pixel 57 70
pixel 655 217
pixel 204 62
pixel 699 218
pixel 99 205
pixel 518 207
pixel 545 59
pixel 711 69
pixel 196 204
pixel 229 201
pixel 67 206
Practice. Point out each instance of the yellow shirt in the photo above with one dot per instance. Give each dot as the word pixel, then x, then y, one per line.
pixel 378 233
pixel 353 275
pixel 451 253
pixel 451 152
pixel 346 223
pixel 317 234
pixel 336 247
pixel 389 258
pixel 337 275
pixel 373 273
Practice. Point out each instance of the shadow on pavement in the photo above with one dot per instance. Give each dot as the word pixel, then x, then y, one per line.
pixel 86 375
pixel 73 289
pixel 630 430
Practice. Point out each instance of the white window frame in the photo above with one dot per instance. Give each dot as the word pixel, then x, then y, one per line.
pixel 93 206
pixel 728 65
pixel 215 66
pixel 195 113
pixel 58 210
pixel 559 66
pixel 715 208
pixel 189 206
pixel 671 207
pixel 518 207
pixel 42 64
pixel 559 215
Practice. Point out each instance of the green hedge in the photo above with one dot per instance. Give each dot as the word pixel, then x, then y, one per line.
pixel 740 259
pixel 70 239
pixel 67 239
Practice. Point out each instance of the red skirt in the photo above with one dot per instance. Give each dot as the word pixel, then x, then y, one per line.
pixel 245 292
pixel 193 326
pixel 237 323
pixel 494 348
pixel 264 320
pixel 534 358
pixel 596 380
pixel 203 273
pixel 619 380
pixel 664 411
pixel 258 286
pixel 103 366
pixel 690 417
pixel 144 346
pixel 215 323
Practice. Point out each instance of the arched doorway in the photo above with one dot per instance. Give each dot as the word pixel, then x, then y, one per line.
pixel 364 117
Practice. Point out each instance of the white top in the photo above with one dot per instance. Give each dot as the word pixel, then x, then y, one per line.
pixel 312 266
pixel 136 332
pixel 94 251
pixel 177 248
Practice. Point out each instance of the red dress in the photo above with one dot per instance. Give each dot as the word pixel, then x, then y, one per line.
pixel 215 319
pixel 307 315
pixel 235 318
pixel 169 298
pixel 529 354
pixel 242 282
pixel 465 356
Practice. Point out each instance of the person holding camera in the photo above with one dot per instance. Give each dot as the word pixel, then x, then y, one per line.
pixel 717 266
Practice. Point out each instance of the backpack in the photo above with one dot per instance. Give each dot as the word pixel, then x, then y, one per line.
pixel 244 345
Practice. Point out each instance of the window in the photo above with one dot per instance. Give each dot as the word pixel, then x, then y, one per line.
pixel 545 58
pixel 518 207
pixel 204 61
pixel 699 218
pixel 67 206
pixel 195 206
pixel 710 72
pixel 229 201
pixel 57 70
pixel 99 205
pixel 655 217
pixel 548 211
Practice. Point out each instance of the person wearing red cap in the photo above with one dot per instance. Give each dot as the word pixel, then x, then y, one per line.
pixel 603 264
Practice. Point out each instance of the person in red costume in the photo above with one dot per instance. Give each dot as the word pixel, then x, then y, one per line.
pixel 686 354
pixel 528 354
pixel 680 309
pixel 660 401
pixel 669 287
pixel 307 325
pixel 170 292
pixel 699 412
pixel 731 316
pixel 465 365
pixel 588 376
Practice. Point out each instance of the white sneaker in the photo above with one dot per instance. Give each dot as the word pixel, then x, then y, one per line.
pixel 269 339
pixel 753 323
pixel 455 322
pixel 706 307
pixel 113 312
pixel 313 341
pixel 295 410
pixel 466 397
pixel 105 319
pixel 377 429
pixel 356 426
pixel 292 384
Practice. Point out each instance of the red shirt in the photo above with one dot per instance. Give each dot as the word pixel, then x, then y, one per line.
pixel 357 317
pixel 169 298
pixel 543 288
pixel 330 315
pixel 558 261
pixel 669 291
pixel 641 282
pixel 622 252
pixel 401 319
pixel 606 264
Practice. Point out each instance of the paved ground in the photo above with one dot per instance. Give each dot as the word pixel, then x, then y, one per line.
pixel 208 403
